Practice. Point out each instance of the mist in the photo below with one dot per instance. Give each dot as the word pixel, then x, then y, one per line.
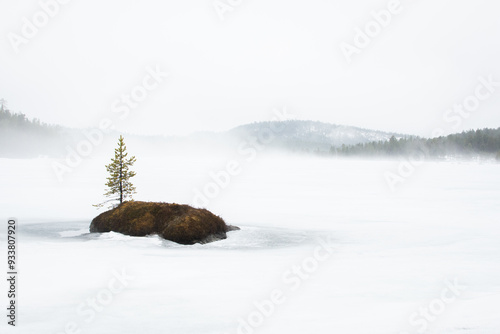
pixel 213 73
pixel 346 154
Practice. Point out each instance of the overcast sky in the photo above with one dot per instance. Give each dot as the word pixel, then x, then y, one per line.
pixel 263 54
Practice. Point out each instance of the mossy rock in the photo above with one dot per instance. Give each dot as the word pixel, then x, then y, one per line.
pixel 179 223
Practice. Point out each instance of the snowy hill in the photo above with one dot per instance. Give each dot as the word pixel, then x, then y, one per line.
pixel 307 135
pixel 18 138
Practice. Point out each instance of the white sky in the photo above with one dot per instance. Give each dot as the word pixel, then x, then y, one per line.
pixel 265 54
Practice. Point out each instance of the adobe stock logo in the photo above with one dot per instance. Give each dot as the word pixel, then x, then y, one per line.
pixel 291 280
pixel 453 118
pixel 225 6
pixel 88 310
pixel 248 151
pixel 122 107
pixel 363 37
pixel 425 316
pixel 30 28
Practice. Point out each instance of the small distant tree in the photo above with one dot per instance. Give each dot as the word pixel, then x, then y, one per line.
pixel 119 186
pixel 3 104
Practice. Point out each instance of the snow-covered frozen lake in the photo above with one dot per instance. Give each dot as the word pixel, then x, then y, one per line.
pixel 326 246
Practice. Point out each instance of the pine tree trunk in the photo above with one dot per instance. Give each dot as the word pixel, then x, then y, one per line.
pixel 121 184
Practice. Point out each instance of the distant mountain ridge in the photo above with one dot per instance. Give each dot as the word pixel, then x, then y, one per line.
pixel 309 135
pixel 21 137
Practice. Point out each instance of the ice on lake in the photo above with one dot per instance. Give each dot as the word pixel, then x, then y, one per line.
pixel 327 240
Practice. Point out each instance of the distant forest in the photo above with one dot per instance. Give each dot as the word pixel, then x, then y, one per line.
pixel 22 137
pixel 484 142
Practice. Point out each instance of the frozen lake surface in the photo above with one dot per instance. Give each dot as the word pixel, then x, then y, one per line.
pixel 326 246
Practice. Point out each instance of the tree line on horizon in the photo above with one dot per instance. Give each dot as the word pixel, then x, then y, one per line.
pixel 484 142
pixel 22 137
pixel 11 120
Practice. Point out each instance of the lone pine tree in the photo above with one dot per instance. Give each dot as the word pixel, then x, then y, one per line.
pixel 119 186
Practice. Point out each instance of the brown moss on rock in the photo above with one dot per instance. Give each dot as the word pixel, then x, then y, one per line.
pixel 179 223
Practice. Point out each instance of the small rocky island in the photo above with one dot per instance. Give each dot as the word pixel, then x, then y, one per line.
pixel 175 222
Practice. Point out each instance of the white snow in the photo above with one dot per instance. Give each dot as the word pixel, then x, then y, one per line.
pixel 393 253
